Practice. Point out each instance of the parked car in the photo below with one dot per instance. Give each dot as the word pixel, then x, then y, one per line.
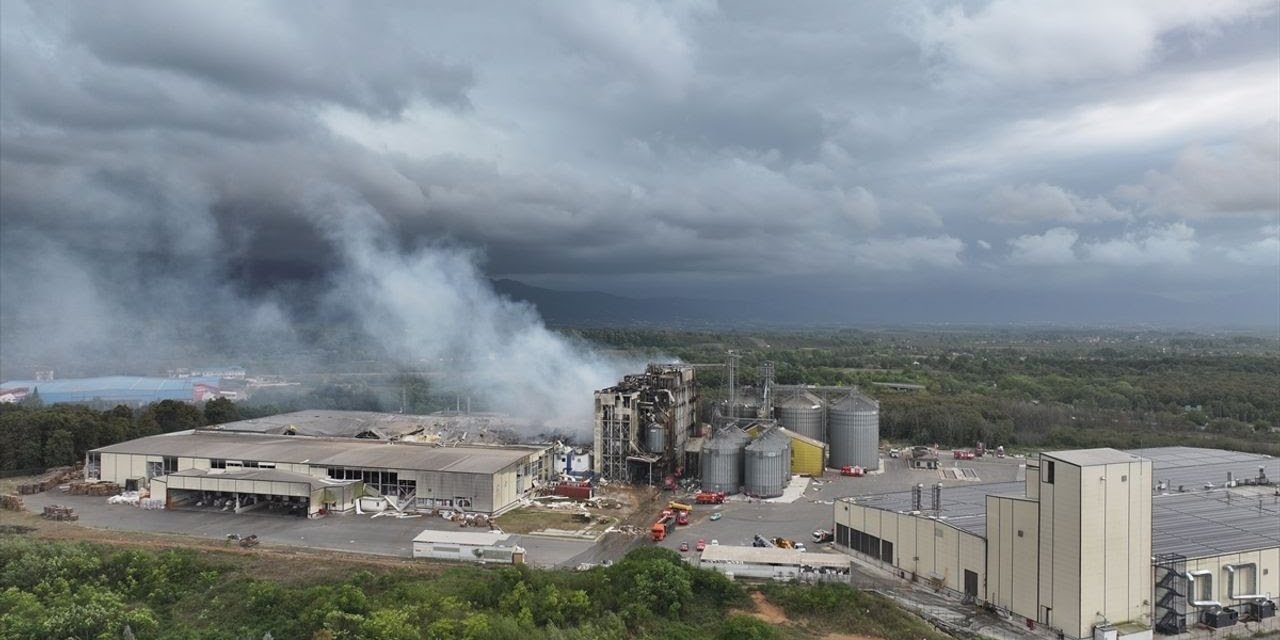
pixel 715 543
pixel 716 516
pixel 684 546
pixel 702 544
pixel 822 535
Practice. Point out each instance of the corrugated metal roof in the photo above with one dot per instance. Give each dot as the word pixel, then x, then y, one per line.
pixel 1196 523
pixel 262 475
pixel 770 555
pixel 473 538
pixel 802 438
pixel 324 452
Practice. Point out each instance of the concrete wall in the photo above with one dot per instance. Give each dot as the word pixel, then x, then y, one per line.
pixel 921 545
pixel 1095 544
pixel 1013 548
pixel 1060 546
pixel 476 487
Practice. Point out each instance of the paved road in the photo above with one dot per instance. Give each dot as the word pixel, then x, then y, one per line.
pixel 393 537
pixel 351 533
pixel 814 510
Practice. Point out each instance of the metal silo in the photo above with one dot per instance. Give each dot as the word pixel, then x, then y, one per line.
pixel 768 465
pixel 655 438
pixel 722 460
pixel 853 426
pixel 802 413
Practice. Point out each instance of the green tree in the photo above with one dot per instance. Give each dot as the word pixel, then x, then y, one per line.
pixel 220 411
pixel 60 449
pixel 171 415
pixel 740 627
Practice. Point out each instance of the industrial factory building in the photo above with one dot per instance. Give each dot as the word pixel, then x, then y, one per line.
pixel 1093 541
pixel 643 423
pixel 272 462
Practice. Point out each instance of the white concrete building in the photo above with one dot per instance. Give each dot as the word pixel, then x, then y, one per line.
pixel 468 546
pixel 1095 539
pixel 774 563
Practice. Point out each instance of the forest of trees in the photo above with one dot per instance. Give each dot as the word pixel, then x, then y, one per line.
pixel 1029 389
pixel 84 591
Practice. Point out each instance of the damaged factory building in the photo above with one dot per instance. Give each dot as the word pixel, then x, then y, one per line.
pixel 310 463
pixel 644 423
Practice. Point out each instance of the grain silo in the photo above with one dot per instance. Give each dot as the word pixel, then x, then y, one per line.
pixel 722 460
pixel 767 463
pixel 853 429
pixel 802 413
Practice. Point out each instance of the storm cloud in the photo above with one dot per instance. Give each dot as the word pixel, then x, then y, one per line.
pixel 173 157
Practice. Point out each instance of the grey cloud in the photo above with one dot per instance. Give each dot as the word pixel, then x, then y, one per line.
pixel 627 146
pixel 1237 178
pixel 1172 244
pixel 1053 247
pixel 363 60
pixel 1042 202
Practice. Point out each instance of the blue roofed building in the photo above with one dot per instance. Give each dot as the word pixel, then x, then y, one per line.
pixel 130 390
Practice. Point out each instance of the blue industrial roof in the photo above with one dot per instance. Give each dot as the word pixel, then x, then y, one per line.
pixel 126 389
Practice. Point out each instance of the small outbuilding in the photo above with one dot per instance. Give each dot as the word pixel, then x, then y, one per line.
pixel 774 563
pixel 468 546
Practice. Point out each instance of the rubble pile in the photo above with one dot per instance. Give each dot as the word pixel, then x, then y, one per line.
pixel 12 503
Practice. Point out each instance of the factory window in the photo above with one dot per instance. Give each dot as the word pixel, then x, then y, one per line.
pixel 217 463
pixel 249 464
pixel 266 465
pixel 1019 533
pixel 1048 472
pixel 1124 478
pixel 170 465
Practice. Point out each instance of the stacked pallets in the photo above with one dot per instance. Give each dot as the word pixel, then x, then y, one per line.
pixel 59 512
pixel 93 489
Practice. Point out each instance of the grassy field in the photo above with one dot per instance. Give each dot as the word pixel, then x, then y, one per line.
pixel 530 519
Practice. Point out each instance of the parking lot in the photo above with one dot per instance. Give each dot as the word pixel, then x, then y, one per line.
pixel 346 532
pixel 741 520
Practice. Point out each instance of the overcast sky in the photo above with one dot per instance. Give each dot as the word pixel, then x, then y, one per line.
pixel 1003 150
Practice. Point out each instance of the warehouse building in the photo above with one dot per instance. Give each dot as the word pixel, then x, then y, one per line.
pixel 323 473
pixel 1092 541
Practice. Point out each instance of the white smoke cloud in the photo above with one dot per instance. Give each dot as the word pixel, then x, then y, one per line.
pixel 432 307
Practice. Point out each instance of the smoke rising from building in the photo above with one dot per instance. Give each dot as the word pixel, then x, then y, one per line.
pixel 432 307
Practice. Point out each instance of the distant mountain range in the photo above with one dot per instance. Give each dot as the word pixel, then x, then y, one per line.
pixel 596 308
pixel 807 308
